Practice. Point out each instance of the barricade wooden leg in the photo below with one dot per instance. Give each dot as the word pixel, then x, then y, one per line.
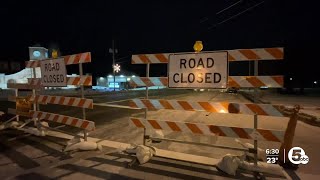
pixel 288 138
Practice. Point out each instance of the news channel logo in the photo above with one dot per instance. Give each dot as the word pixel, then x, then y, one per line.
pixel 297 155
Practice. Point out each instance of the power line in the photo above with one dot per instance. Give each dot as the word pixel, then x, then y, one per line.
pixel 228 7
pixel 234 16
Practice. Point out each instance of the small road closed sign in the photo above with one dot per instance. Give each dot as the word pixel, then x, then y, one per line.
pixel 53 73
pixel 198 70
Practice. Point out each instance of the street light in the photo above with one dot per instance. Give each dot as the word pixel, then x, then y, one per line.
pixel 116 68
pixel 113 51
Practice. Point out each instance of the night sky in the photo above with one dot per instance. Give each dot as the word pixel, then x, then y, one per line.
pixel 162 26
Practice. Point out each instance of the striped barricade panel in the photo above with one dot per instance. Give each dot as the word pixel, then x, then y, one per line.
pixel 233 81
pixel 208 129
pixel 76 81
pixel 148 81
pixel 71 121
pixel 255 54
pixel 67 101
pixel 215 107
pixel 22 86
pixel 255 81
pixel 70 59
pixel 233 55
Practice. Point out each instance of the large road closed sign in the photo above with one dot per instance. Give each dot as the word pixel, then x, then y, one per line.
pixel 53 73
pixel 198 70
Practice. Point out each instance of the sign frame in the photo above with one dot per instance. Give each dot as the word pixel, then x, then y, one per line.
pixel 202 52
pixel 62 69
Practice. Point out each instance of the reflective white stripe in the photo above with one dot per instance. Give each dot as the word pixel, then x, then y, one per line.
pixel 71 59
pixel 228 132
pixel 139 103
pixel 86 103
pixel 83 57
pixel 156 104
pixel 175 105
pixel 79 123
pixel 138 81
pixel 271 110
pixel 136 59
pixel 242 81
pixel 263 54
pixel 237 55
pixel 245 110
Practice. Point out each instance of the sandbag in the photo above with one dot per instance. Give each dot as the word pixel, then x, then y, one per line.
pixel 229 164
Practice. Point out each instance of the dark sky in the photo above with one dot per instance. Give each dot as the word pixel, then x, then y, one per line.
pixel 161 26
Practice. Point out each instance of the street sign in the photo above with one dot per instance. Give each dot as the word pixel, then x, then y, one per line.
pixel 198 70
pixel 53 72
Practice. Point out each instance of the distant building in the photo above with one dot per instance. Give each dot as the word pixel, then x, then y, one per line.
pixel 119 82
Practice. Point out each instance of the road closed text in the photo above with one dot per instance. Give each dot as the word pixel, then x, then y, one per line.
pixel 53 78
pixel 207 70
pixel 53 72
pixel 198 76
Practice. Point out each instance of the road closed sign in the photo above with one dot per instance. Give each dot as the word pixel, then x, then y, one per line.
pixel 198 70
pixel 53 73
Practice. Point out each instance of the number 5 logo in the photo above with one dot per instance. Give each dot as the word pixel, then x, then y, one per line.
pixel 296 155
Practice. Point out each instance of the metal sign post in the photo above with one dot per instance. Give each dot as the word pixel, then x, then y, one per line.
pixel 147 88
pixel 82 96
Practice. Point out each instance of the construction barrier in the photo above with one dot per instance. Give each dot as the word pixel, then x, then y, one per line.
pixel 216 107
pixel 209 129
pixel 71 59
pixel 233 55
pixel 233 81
pixel 23 107
pixel 254 133
pixel 76 81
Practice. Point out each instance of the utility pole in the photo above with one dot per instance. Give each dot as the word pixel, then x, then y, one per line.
pixel 113 51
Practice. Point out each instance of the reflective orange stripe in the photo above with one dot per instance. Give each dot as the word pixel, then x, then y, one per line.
pixel 137 123
pixel 241 133
pixel 154 124
pixel 257 109
pixel 133 104
pixel 278 79
pixel 275 52
pixel 147 81
pixel 75 82
pixel 164 81
pixel 207 106
pixel 144 58
pixel 194 128
pixel 161 58
pixel 255 81
pixel 230 58
pixel 71 100
pixel 216 130
pixel 232 83
pixel 249 54
pixel 268 135
pixel 84 124
pixel 81 103
pixel 165 104
pixel 74 122
pixel 88 81
pixel 173 126
pixel 148 104
pixel 185 105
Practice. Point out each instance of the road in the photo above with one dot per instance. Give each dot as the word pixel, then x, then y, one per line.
pixel 27 158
